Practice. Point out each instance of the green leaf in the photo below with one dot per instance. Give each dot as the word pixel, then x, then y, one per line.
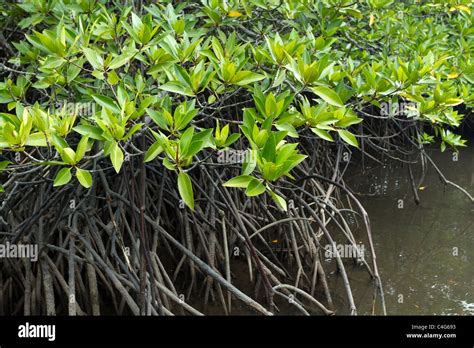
pixel 63 177
pixel 93 132
pixel 158 118
pixel 84 177
pixel 328 95
pixel 322 134
pixel 107 102
pixel 68 155
pixel 279 78
pixel 135 128
pixel 185 141
pixel 81 149
pixel 203 136
pixel 453 101
pixel 94 58
pixel 116 156
pixel 269 150
pixel 36 139
pixel 113 78
pixel 255 188
pixel 239 181
pixel 120 60
pixel 194 148
pixel 5 97
pixel 231 139
pixel 243 78
pixel 98 75
pixel 290 129
pixel 250 163
pixel 348 121
pixel 59 142
pixel 73 70
pixel 176 87
pixel 153 152
pixel 348 137
pixel 271 107
pixel 185 189
pixel 4 164
pixel 53 62
pixel 279 200
pixel 184 120
pixel 168 164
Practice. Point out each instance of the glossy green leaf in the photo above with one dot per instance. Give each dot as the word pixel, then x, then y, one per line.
pixel 322 134
pixel 63 177
pixel 107 102
pixel 94 58
pixel 185 189
pixel 348 137
pixel 84 177
pixel 153 152
pixel 328 95
pixel 255 188
pixel 279 200
pixel 239 181
pixel 116 156
pixel 177 87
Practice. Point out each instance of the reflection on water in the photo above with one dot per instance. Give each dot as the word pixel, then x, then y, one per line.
pixel 425 252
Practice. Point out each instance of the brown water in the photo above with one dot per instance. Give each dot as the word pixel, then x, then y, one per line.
pixel 425 252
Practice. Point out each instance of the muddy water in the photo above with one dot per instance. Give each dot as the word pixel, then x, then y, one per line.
pixel 425 252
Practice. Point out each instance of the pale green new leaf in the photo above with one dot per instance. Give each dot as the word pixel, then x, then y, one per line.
pixel 36 139
pixel 185 189
pixel 255 188
pixel 279 200
pixel 84 177
pixel 68 155
pixel 328 95
pixel 63 177
pixel 239 181
pixel 107 103
pixel 116 156
pixel 153 152
pixel 322 134
pixel 94 58
pixel 348 137
pixel 243 78
pixel 176 87
pixel 81 148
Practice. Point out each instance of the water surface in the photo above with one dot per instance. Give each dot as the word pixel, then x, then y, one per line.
pixel 425 252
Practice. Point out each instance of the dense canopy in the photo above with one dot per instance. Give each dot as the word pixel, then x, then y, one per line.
pixel 147 105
